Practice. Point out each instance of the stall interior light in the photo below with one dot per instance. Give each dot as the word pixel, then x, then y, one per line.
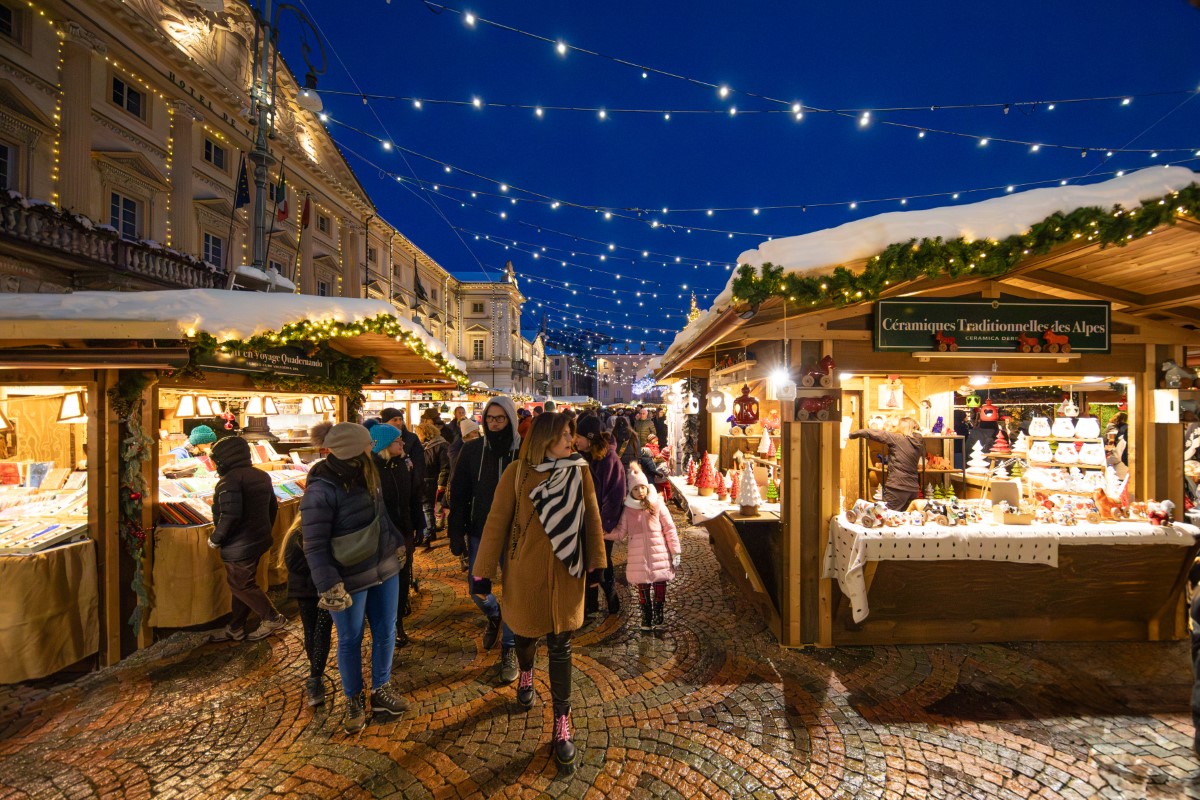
pixel 845 376
pixel 71 410
pixel 203 406
pixel 254 408
pixel 307 406
pixel 5 425
pixel 269 407
pixel 979 380
pixel 187 408
pixel 327 402
pixel 1093 379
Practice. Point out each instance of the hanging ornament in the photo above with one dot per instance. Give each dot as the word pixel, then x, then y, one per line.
pixel 1069 409
pixel 785 387
pixel 692 404
pixel 988 412
pixel 716 402
pixel 745 408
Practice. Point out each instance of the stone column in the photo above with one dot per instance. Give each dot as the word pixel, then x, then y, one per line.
pixel 183 226
pixel 351 245
pixel 75 145
pixel 308 276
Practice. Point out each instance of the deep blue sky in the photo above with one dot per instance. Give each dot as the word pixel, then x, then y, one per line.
pixel 835 55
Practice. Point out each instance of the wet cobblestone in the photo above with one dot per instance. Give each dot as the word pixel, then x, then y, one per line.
pixel 710 707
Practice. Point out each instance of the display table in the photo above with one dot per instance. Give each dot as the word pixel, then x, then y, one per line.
pixel 188 577
pixel 49 616
pixel 701 509
pixel 1007 582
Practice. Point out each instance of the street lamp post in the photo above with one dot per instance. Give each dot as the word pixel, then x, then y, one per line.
pixel 263 90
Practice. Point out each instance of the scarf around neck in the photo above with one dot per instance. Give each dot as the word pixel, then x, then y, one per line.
pixel 559 504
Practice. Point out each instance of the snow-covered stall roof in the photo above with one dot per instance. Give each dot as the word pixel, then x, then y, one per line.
pixel 222 314
pixel 997 218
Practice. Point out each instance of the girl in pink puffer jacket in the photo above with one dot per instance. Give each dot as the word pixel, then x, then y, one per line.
pixel 653 545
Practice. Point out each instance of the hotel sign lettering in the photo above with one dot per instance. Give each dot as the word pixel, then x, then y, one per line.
pixel 911 324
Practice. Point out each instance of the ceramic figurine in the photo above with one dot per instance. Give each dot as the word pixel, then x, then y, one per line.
pixel 1064 428
pixel 938 426
pixel 1039 427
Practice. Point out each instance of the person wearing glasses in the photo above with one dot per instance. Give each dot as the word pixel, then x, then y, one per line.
pixel 472 489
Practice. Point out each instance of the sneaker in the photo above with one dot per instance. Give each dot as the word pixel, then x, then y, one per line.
pixel 525 689
pixel 356 713
pixel 385 701
pixel 492 632
pixel 267 627
pixel 227 634
pixel 508 665
pixel 314 691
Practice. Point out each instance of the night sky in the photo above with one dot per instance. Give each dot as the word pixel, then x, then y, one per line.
pixel 850 56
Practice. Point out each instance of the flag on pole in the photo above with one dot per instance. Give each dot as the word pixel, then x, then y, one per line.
pixel 242 195
pixel 306 213
pixel 281 199
pixel 418 289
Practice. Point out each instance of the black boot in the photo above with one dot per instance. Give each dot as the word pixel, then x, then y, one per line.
pixel 647 619
pixel 591 600
pixel 401 636
pixel 658 612
pixel 314 691
pixel 612 599
pixel 565 753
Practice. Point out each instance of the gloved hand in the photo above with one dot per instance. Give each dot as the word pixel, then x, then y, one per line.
pixel 675 559
pixel 213 545
pixel 402 555
pixel 481 586
pixel 336 599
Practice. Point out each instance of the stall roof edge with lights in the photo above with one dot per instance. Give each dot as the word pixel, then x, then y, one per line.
pixel 1118 255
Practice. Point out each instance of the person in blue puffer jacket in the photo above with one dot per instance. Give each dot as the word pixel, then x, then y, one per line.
pixel 342 498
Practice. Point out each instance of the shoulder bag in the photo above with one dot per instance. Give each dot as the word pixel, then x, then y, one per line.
pixel 356 547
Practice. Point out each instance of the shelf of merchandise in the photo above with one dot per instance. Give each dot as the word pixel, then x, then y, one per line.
pixel 730 370
pixel 1063 440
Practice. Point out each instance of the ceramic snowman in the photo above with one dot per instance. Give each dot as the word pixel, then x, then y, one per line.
pixel 1040 452
pixel 1087 428
pixel 1039 426
pixel 1064 428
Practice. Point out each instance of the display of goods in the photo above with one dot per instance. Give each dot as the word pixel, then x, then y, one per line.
pixel 705 479
pixel 1000 445
pixel 745 408
pixel 977 464
pixel 938 426
pixel 1087 428
pixel 772 490
pixel 749 497
pixel 722 487
pixel 691 472
pixel 988 412
pixel 28 536
pixel 1021 445
pixel 1064 428
pixel 735 477
pixel 1092 453
pixel 1066 454
pixel 1041 452
pixel 764 444
pixel 1039 426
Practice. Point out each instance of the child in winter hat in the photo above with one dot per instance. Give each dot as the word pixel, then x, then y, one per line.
pixel 654 549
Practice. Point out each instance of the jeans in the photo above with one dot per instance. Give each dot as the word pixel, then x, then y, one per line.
pixel 247 596
pixel 558 646
pixel 378 606
pixel 318 632
pixel 487 603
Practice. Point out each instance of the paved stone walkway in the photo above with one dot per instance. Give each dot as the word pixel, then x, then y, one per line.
pixel 709 708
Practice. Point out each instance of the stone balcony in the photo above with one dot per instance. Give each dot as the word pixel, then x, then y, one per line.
pixel 45 249
pixel 520 368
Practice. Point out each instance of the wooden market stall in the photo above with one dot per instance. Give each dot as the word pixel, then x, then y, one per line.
pixel 1128 314
pixel 87 426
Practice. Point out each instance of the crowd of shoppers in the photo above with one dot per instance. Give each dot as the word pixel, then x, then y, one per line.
pixel 534 500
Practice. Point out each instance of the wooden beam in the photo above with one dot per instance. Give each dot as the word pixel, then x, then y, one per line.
pixel 1086 288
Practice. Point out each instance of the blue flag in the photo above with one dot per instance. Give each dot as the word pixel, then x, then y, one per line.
pixel 242 195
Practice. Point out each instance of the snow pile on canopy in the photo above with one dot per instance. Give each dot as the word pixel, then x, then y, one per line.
pixel 222 314
pixel 998 218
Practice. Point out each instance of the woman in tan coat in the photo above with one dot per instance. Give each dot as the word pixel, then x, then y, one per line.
pixel 545 526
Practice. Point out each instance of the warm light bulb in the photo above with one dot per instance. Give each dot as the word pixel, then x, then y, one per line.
pixel 469 18
pixel 561 48
pixel 865 119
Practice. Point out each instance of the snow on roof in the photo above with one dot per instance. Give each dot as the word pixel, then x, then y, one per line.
pixel 223 314
pixel 997 218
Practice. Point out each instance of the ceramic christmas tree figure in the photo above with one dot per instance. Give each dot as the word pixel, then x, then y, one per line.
pixel 705 482
pixel 734 478
pixel 764 444
pixel 722 487
pixel 773 452
pixel 748 497
pixel 1021 445
pixel 1001 444
pixel 691 472
pixel 772 489
pixel 977 464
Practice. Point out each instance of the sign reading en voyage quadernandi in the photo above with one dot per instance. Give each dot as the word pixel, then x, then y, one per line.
pixel 993 325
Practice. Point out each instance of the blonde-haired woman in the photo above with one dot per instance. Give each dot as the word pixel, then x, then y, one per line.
pixel 545 524
pixel 906 448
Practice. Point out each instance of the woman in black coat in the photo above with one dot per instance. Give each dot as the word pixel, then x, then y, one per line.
pixel 628 445
pixel 318 625
pixel 402 499
pixel 341 505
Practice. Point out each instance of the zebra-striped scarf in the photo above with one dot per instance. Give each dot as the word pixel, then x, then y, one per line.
pixel 559 504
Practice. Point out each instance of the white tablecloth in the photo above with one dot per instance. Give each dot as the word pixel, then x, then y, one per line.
pixel 702 509
pixel 849 547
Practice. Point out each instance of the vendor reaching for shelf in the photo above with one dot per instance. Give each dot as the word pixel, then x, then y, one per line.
pixel 902 479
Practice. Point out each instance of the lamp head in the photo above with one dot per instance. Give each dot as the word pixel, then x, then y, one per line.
pixel 308 98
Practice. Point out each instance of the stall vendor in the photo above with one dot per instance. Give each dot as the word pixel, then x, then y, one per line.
pixel 906 448
pixel 199 442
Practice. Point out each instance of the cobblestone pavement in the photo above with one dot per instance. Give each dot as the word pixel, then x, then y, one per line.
pixel 711 707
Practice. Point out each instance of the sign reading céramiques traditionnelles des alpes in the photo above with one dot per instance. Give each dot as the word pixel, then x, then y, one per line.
pixel 993 325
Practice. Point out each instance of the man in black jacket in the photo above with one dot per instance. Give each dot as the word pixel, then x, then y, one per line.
pixel 244 509
pixel 472 488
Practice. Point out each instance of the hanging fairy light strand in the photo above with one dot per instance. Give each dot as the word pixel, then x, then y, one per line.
pixel 796 108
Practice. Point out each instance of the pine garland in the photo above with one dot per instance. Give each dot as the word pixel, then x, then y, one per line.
pixel 935 258
pixel 136 447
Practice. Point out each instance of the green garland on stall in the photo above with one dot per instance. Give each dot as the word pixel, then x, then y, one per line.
pixel 935 258
pixel 136 447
